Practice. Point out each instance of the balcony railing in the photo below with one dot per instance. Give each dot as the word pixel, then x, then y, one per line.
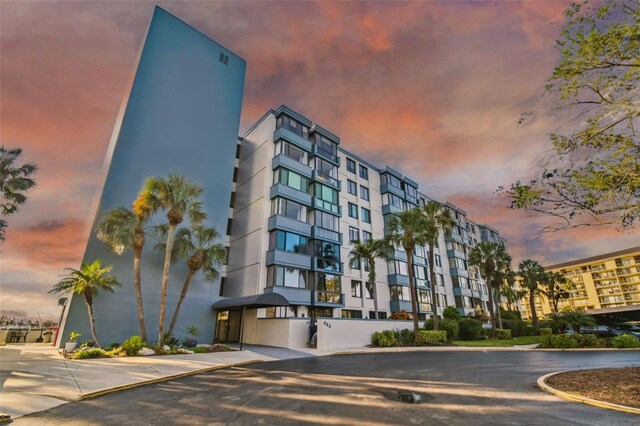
pixel 326 234
pixel 326 179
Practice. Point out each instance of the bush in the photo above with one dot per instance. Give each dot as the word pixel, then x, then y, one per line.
pixel 450 326
pixel 503 334
pixel 517 326
pixel 200 349
pixel 88 344
pixel 529 330
pixel 479 315
pixel 405 337
pixel 510 315
pixel 625 341
pixel 132 345
pixel 469 329
pixel 92 353
pixel 559 341
pixel 451 313
pixel 400 315
pixel 384 339
pixel 546 331
pixel 590 341
pixel 431 337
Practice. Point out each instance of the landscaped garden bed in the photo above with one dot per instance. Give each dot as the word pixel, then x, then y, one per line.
pixel 615 385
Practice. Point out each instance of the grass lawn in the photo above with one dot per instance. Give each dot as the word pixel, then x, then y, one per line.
pixel 525 340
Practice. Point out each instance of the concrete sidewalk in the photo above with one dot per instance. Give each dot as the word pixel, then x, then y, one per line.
pixel 34 377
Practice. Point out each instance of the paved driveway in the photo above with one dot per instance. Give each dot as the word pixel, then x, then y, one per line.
pixel 456 388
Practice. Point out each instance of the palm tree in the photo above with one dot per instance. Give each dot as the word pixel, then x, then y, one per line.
pixel 14 181
pixel 532 275
pixel 370 250
pixel 86 281
pixel 486 257
pixel 178 197
pixel 509 290
pixel 577 319
pixel 201 247
pixel 408 229
pixel 120 229
pixel 501 283
pixel 556 288
pixel 437 218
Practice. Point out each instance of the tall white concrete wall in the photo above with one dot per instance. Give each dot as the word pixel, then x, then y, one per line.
pixel 337 333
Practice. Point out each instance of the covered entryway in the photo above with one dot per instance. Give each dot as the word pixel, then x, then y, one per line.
pixel 231 314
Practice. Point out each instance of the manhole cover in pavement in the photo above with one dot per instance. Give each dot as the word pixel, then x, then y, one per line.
pixel 404 395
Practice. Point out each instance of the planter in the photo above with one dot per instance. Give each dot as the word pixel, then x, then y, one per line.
pixel 190 343
pixel 70 346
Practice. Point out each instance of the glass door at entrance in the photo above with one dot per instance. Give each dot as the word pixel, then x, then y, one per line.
pixel 228 326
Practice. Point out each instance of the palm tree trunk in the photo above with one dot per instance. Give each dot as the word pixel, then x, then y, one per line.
pixel 414 293
pixel 372 283
pixel 534 315
pixel 499 313
pixel 432 277
pixel 137 254
pixel 183 294
pixel 491 305
pixel 165 283
pixel 88 298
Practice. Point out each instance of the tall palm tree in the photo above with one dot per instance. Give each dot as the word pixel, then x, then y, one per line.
pixel 532 275
pixel 501 283
pixel 509 290
pixel 178 197
pixel 87 281
pixel 437 218
pixel 201 247
pixel 556 287
pixel 408 229
pixel 485 257
pixel 120 229
pixel 370 250
pixel 14 182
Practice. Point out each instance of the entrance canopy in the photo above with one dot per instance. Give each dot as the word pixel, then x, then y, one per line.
pixel 617 313
pixel 266 300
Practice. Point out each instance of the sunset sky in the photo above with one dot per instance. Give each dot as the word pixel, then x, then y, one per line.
pixel 433 89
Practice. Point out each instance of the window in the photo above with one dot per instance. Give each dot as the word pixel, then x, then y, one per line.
pixel 391 180
pixel 438 260
pixel 326 221
pixel 356 289
pixel 326 198
pixel 327 148
pixel 293 126
pixel 328 256
pixel 353 211
pixel 366 236
pixel 364 172
pixel 326 172
pixel 398 292
pixel 288 208
pixel 352 187
pixel 351 165
pixel 292 151
pixel 394 200
pixel 440 279
pixel 354 263
pixel 420 252
pixel 369 291
pixel 365 263
pixel 364 193
pixel 286 277
pixel 442 300
pixel 224 58
pixel 287 241
pixel 411 191
pixel 354 234
pixel 366 215
pixel 381 315
pixel 291 179
pixel 351 313
pixel 397 267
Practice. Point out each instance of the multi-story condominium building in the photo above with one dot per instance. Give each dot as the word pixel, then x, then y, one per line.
pixel 301 199
pixel 610 280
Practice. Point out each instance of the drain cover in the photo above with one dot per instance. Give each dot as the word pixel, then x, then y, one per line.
pixel 404 395
pixel 409 397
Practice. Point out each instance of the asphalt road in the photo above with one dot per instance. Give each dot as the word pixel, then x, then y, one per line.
pixel 455 388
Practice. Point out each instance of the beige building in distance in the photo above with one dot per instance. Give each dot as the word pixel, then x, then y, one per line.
pixel 610 280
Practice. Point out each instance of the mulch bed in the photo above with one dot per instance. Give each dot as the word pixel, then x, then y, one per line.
pixel 615 385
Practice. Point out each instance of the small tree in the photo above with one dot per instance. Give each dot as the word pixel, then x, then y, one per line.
pixel 533 276
pixel 14 182
pixel 370 250
pixel 485 256
pixel 87 281
pixel 578 319
pixel 556 287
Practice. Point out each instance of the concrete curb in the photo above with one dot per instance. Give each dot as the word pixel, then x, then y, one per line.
pixel 576 398
pixel 106 391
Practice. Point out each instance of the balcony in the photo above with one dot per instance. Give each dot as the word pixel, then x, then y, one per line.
pixel 286 258
pixel 386 187
pixel 322 265
pixel 456 272
pixel 288 135
pixel 319 152
pixel 281 190
pixel 291 164
pixel 397 279
pixel 326 234
pixel 289 224
pixel 461 291
pixel 296 296
pixel 400 305
pixel 327 180
pixel 327 298
pixel 390 208
pixel 327 206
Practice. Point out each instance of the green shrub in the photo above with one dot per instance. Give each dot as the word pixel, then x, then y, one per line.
pixel 590 341
pixel 517 326
pixel 114 345
pixel 431 337
pixel 625 341
pixel 384 339
pixel 503 334
pixel 559 341
pixel 91 353
pixel 405 337
pixel 451 313
pixel 199 349
pixel 529 330
pixel 87 344
pixel 469 329
pixel 132 345
pixel 546 331
pixel 450 326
